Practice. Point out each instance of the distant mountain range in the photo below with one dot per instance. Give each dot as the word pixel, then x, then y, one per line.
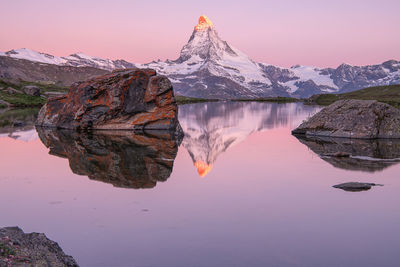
pixel 209 67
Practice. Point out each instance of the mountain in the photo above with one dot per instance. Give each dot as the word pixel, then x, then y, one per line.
pixel 74 60
pixel 209 67
pixel 14 69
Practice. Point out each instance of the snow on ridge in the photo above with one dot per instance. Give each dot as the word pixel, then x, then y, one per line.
pixel 305 73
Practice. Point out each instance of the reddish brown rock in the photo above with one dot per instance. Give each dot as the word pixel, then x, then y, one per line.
pixel 131 99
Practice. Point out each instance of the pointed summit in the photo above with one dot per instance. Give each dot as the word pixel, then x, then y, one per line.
pixel 204 23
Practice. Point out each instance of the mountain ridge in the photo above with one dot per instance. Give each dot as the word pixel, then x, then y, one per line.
pixel 209 67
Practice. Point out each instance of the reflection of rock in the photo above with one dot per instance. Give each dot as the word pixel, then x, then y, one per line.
pixel 122 100
pixel 365 119
pixel 34 249
pixel 355 186
pixel 211 128
pixel 121 158
pixel 365 155
pixel 18 123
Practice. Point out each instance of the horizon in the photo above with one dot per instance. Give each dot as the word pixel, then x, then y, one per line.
pixel 341 34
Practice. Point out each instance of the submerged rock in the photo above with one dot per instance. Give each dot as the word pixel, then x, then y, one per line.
pixel 355 154
pixel 363 119
pixel 132 99
pixel 34 249
pixel 121 158
pixel 355 186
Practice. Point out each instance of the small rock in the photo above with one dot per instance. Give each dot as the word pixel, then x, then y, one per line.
pixel 31 90
pixel 355 186
pixel 12 91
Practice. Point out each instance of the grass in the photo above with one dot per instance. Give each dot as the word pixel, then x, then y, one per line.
pixel 182 100
pixel 389 94
pixel 278 99
pixel 6 251
pixel 23 100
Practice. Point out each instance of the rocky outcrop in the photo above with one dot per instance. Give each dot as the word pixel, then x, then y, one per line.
pixel 34 249
pixel 355 154
pixel 355 186
pixel 134 99
pixel 31 90
pixel 361 119
pixel 121 158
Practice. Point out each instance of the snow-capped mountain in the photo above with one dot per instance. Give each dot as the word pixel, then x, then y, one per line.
pixel 75 60
pixel 212 128
pixel 209 67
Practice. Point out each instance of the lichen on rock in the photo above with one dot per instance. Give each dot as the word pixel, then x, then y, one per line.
pixel 359 119
pixel 128 99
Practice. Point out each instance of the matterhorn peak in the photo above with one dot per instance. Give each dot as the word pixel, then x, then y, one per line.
pixel 204 23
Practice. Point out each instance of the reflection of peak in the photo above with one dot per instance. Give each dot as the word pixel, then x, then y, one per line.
pixel 202 167
pixel 212 128
pixel 204 23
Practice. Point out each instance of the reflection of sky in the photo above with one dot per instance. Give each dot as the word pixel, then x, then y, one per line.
pixel 267 202
pixel 212 128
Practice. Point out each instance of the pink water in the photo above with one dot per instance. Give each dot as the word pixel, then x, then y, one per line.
pixel 267 201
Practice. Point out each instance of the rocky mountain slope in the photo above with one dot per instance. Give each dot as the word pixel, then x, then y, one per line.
pixel 211 68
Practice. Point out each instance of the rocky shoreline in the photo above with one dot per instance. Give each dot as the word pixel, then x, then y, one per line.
pixel 34 249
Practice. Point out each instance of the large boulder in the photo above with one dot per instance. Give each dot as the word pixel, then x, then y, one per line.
pixel 362 119
pixel 31 90
pixel 132 99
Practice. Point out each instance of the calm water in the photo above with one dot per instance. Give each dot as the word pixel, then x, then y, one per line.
pixel 239 191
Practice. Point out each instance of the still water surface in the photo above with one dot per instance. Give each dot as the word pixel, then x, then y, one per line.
pixel 239 190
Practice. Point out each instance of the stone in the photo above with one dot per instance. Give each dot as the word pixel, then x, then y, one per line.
pixel 359 119
pixel 129 99
pixel 31 90
pixel 124 159
pixel 355 186
pixel 12 91
pixel 34 249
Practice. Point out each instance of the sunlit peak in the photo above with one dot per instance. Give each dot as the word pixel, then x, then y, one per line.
pixel 204 23
pixel 202 168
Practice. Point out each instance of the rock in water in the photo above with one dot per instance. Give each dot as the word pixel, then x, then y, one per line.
pixel 363 119
pixel 355 186
pixel 132 99
pixel 34 249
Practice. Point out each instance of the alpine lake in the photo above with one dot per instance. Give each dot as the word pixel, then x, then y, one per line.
pixel 237 190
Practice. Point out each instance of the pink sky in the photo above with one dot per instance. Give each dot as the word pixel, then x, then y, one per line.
pixel 308 32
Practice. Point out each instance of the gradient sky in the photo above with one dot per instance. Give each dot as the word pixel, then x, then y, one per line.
pixel 285 33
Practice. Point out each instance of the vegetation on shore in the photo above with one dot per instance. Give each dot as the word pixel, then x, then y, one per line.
pixel 20 99
pixel 182 100
pixel 389 94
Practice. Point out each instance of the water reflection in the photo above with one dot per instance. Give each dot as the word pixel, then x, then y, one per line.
pixel 365 155
pixel 121 158
pixel 211 128
pixel 18 123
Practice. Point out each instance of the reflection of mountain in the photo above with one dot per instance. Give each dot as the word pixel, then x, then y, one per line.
pixel 365 155
pixel 18 123
pixel 211 128
pixel 123 158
